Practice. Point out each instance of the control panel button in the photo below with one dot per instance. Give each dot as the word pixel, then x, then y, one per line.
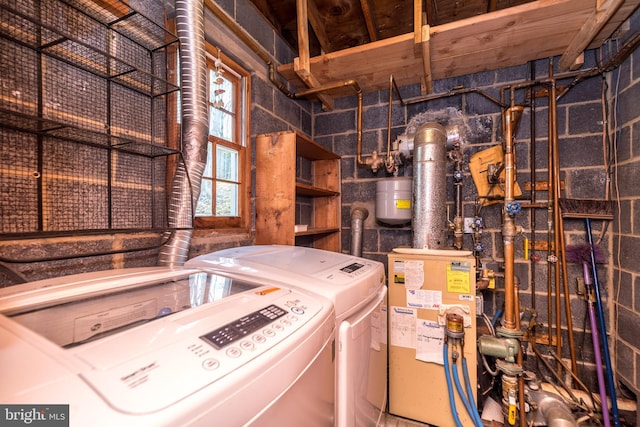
pixel 234 352
pixel 247 345
pixel 210 364
pixel 258 338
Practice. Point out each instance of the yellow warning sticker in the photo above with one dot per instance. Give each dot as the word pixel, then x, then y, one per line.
pixel 458 277
pixel 403 204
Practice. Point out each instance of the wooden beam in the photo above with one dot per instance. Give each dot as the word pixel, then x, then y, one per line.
pixel 417 21
pixel 301 63
pixel 311 82
pixel 427 78
pixel 370 20
pixel 604 10
pixel 505 38
pixel 303 35
pixel 318 27
pixel 431 20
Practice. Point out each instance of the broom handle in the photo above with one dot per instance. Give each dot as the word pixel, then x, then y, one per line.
pixel 596 346
pixel 603 329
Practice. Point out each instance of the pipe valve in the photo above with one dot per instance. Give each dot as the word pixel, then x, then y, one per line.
pixel 514 208
pixel 502 348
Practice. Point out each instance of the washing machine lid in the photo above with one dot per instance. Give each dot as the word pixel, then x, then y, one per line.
pixel 349 281
pixel 145 340
pixel 74 310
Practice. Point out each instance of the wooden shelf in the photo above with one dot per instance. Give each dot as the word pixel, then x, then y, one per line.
pixel 317 231
pixel 309 191
pixel 506 38
pixel 282 200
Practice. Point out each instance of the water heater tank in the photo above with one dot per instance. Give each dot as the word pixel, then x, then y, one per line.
pixel 393 200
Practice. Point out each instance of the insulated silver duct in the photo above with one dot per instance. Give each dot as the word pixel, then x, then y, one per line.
pixel 429 222
pixel 358 215
pixel 552 411
pixel 195 124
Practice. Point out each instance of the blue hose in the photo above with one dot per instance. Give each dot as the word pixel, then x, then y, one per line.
pixel 496 317
pixel 447 375
pixel 470 392
pixel 461 393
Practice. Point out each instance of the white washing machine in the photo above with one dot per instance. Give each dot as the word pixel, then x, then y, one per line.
pixel 357 287
pixel 167 347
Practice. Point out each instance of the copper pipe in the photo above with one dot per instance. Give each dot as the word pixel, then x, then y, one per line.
pixel 508 224
pixel 521 400
pixel 508 229
pixel 391 83
pixel 532 168
pixel 561 270
pixel 554 187
pixel 551 189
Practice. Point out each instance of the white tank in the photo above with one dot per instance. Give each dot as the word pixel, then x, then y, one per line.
pixel 393 200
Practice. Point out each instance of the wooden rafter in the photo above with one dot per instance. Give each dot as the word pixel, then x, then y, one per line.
pixel 318 26
pixel 604 10
pixel 370 20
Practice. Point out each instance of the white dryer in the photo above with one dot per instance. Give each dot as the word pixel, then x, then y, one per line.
pixel 357 287
pixel 168 347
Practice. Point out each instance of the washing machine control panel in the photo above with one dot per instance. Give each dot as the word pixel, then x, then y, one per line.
pixel 246 325
pixel 209 347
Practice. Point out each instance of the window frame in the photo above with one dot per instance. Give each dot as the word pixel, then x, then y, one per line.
pixel 242 145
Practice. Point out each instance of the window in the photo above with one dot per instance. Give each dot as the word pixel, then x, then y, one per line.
pixel 224 193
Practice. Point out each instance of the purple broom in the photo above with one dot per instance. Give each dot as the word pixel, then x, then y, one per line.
pixel 582 254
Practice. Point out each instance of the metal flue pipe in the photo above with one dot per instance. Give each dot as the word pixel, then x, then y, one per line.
pixel 429 187
pixel 358 216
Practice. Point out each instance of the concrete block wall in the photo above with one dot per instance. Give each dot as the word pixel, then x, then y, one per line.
pixel 580 118
pixel 625 86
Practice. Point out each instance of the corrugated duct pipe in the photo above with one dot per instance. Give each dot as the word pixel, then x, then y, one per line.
pixel 186 184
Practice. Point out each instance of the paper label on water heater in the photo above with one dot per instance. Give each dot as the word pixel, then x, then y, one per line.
pixel 403 327
pixel 409 273
pixel 429 341
pixel 424 298
pixel 458 277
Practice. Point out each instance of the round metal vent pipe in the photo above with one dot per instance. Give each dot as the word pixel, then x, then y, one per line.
pixel 358 215
pixel 195 126
pixel 429 222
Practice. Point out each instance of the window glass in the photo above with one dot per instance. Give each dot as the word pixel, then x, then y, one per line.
pixel 224 193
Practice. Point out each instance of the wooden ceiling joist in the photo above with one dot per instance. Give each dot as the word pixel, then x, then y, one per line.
pixel 370 20
pixel 301 63
pixel 504 38
pixel 603 12
pixel 318 26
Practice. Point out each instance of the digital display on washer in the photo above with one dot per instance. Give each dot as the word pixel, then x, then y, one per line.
pixel 352 267
pixel 243 326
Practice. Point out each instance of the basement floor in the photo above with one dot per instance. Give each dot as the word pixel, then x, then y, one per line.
pixel 393 421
